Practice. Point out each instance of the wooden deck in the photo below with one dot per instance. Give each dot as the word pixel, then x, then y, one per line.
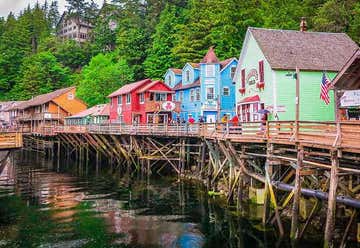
pixel 10 141
pixel 343 136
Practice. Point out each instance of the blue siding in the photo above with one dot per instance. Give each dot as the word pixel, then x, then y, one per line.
pixel 228 103
pixel 174 78
pixel 207 108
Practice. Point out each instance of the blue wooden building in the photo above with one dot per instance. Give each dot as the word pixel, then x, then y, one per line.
pixel 204 89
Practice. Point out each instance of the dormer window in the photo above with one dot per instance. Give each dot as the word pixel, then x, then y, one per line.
pixel 169 80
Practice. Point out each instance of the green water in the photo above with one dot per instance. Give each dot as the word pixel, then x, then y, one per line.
pixel 46 203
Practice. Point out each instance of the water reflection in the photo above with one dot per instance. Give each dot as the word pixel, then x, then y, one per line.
pixel 43 204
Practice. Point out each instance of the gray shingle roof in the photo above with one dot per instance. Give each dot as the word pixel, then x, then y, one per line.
pixel 316 51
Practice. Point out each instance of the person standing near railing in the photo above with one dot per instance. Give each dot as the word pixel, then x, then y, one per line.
pixel 191 121
pixel 224 123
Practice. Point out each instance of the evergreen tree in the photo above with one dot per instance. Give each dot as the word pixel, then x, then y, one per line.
pixel 159 54
pixel 14 46
pixel 53 15
pixel 103 75
pixel 334 16
pixel 132 38
pixel 76 7
pixel 39 74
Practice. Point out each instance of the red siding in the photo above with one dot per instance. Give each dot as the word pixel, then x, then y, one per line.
pixel 128 110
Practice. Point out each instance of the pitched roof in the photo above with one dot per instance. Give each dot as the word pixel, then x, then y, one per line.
pixel 349 76
pixel 195 65
pixel 93 111
pixel 210 57
pixel 225 62
pixel 13 106
pixel 176 71
pixel 317 51
pixel 148 86
pixel 127 88
pixel 180 86
pixel 41 99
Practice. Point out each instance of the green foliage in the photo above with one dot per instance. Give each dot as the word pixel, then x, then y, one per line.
pixel 73 54
pixel 151 36
pixel 103 75
pixel 159 54
pixel 39 74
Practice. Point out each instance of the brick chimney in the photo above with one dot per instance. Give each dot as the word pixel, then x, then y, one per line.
pixel 303 25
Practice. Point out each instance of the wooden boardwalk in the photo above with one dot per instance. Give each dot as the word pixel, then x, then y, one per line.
pixel 10 140
pixel 344 136
pixel 289 161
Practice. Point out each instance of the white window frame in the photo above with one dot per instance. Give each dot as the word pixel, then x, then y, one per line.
pixel 197 94
pixel 213 93
pixel 232 72
pixel 161 99
pixel 228 91
pixel 210 70
pixel 119 102
pixel 142 98
pixel 181 96
pixel 192 95
pixel 187 76
pixel 128 98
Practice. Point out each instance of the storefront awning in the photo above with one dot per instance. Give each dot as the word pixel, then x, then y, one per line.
pixel 255 98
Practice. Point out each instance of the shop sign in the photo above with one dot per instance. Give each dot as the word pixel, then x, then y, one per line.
pixel 168 106
pixel 350 98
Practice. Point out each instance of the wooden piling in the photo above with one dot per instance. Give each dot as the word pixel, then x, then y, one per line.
pixel 330 216
pixel 294 233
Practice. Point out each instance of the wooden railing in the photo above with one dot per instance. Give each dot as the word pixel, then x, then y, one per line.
pixel 345 135
pixel 39 116
pixel 10 140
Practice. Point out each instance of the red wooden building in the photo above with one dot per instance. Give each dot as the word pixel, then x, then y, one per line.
pixel 145 101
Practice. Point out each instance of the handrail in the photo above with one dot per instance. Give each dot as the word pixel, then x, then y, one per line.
pixel 330 134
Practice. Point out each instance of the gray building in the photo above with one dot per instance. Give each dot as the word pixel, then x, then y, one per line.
pixel 73 27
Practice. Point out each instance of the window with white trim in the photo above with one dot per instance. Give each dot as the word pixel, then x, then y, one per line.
pixel 187 74
pixel 197 94
pixel 210 70
pixel 169 80
pixel 128 98
pixel 232 72
pixel 226 91
pixel 181 96
pixel 192 95
pixel 142 98
pixel 210 93
pixel 119 98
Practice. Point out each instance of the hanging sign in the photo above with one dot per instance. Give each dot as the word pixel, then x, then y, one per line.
pixel 168 106
pixel 350 98
pixel 252 77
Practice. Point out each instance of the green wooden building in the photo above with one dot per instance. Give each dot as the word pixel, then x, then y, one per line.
pixel 98 114
pixel 265 74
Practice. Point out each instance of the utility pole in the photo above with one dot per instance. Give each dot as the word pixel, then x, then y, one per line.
pixel 297 102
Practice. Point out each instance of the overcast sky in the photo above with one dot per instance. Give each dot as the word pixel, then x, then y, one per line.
pixel 16 5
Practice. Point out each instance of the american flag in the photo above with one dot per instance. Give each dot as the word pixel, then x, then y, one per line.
pixel 325 84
